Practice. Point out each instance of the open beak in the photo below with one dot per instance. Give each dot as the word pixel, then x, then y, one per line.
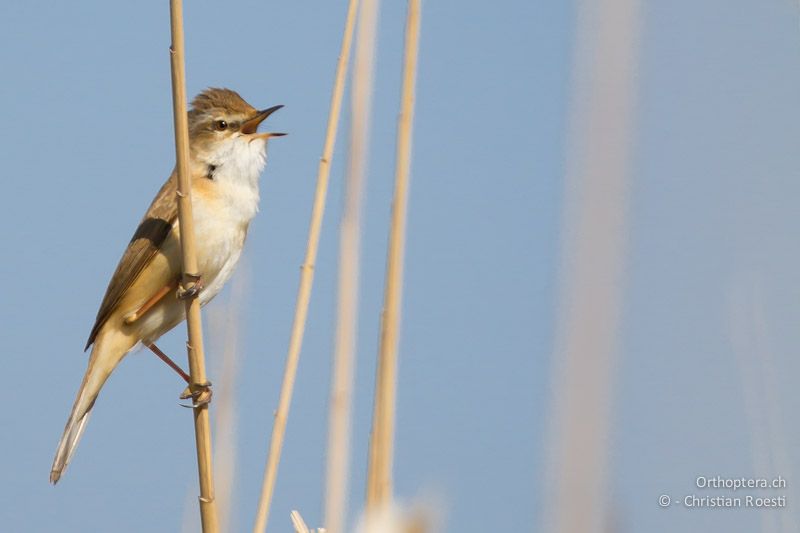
pixel 251 126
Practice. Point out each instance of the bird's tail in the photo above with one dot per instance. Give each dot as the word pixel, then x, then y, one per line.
pixel 106 355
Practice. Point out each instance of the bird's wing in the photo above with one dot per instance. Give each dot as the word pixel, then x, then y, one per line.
pixel 148 238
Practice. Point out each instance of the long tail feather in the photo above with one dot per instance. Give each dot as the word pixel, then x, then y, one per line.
pixel 105 357
pixel 73 430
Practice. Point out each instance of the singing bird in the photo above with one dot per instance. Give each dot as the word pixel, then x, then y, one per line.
pixel 227 155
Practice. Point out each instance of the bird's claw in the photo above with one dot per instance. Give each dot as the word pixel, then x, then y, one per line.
pixel 193 290
pixel 200 393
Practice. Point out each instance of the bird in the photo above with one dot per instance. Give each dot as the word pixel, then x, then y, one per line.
pixel 143 300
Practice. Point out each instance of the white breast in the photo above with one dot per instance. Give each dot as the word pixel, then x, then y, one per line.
pixel 223 217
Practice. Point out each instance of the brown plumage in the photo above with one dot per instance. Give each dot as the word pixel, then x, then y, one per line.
pixel 226 158
pixel 148 238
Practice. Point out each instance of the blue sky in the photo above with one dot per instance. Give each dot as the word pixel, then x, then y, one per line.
pixel 705 380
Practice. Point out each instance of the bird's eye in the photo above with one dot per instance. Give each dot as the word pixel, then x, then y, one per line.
pixel 221 125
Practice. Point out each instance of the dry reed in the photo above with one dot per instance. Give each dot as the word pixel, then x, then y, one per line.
pixel 225 330
pixel 306 279
pixel 349 257
pixel 208 510
pixel 593 252
pixel 379 478
pixel 300 525
pixel 750 339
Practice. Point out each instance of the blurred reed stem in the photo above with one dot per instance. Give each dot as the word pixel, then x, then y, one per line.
pixel 593 250
pixel 349 261
pixel 225 326
pixel 306 278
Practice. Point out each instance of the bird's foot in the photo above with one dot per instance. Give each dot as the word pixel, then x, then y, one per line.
pixel 200 393
pixel 194 288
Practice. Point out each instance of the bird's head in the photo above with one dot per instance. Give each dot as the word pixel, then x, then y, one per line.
pixel 221 122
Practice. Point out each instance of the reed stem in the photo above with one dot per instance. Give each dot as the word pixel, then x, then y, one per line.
pixel 594 236
pixel 197 371
pixel 381 451
pixel 338 464
pixel 306 279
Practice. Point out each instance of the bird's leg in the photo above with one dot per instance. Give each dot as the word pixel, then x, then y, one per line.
pixel 200 393
pixel 136 315
pixel 193 290
pixel 170 363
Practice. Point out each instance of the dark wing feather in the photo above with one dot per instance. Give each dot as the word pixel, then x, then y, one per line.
pixel 152 230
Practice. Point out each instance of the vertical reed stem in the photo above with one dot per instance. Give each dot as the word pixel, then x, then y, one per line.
pixel 306 278
pixel 379 477
pixel 349 259
pixel 197 371
pixel 593 242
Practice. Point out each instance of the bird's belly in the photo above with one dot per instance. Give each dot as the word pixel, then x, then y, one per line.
pixel 220 230
pixel 219 268
pixel 219 245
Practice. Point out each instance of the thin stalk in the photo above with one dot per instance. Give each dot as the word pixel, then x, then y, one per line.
pixel 197 371
pixel 379 476
pixel 349 262
pixel 593 251
pixel 306 278
pixel 225 324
